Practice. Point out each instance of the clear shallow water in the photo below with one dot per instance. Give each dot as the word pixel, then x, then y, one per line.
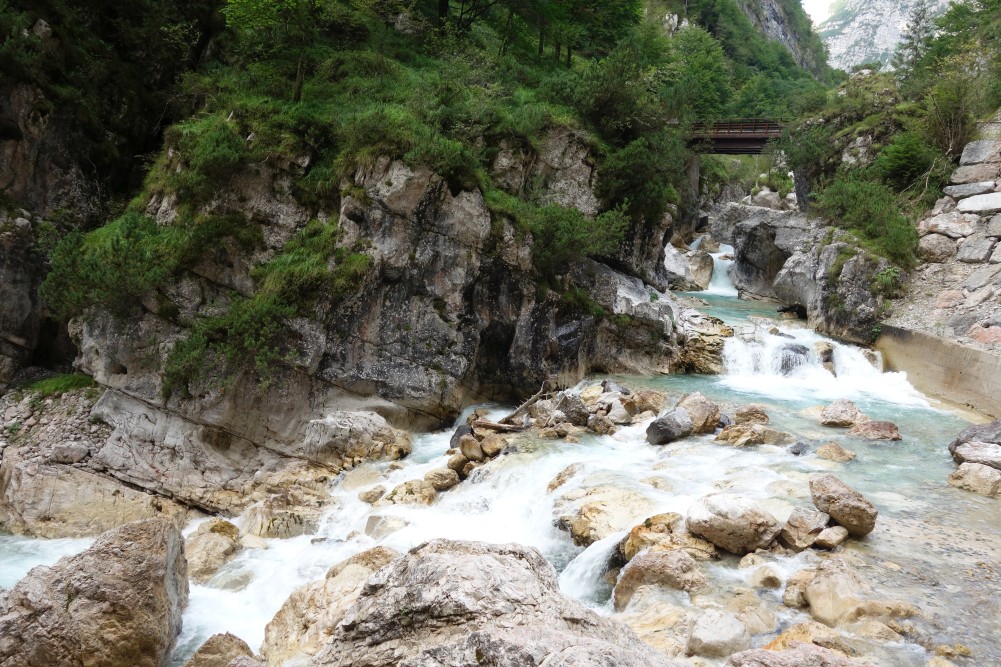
pixel 933 536
pixel 19 554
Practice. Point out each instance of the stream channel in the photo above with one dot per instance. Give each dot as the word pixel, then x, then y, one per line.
pixel 934 546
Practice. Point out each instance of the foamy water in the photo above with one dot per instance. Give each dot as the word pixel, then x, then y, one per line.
pixel 507 500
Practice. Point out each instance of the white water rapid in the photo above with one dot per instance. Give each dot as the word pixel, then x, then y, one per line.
pixel 926 529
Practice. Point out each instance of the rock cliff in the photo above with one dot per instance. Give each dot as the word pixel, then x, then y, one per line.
pixel 793 259
pixel 867 31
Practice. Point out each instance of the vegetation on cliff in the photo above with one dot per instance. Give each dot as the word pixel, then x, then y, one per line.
pixel 318 88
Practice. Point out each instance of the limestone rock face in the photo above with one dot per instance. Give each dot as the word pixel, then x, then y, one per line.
pixel 291 513
pixel 847 507
pixel 460 603
pixel 311 614
pixel 55 500
pixel 436 257
pixel 674 569
pixel 732 523
pixel 117 604
pixel 219 651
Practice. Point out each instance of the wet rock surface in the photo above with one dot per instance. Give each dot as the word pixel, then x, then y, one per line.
pixel 445 603
pixel 118 603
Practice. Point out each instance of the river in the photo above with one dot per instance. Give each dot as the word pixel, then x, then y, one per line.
pixel 934 546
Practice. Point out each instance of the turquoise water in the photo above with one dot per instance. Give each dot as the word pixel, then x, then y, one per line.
pixel 928 548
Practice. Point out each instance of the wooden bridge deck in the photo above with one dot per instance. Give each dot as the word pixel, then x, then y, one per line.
pixel 744 136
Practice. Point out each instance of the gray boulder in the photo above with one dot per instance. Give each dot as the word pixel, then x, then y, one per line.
pixel 936 248
pixel 117 604
pixel 717 634
pixel 984 453
pixel 847 507
pixel 733 523
pixel 674 425
pixel 977 152
pixel 465 603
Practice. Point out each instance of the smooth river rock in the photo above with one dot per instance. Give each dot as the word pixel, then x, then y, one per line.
pixel 977 478
pixel 801 655
pixel 984 453
pixel 117 604
pixel 733 523
pixel 847 507
pixel 703 413
pixel 674 425
pixel 717 634
pixel 454 604
pixel 842 413
pixel 673 569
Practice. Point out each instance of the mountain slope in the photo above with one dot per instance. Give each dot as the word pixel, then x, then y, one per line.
pixel 863 31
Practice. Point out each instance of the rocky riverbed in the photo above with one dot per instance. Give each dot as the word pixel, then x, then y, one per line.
pixel 780 519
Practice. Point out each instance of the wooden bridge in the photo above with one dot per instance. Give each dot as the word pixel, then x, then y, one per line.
pixel 743 136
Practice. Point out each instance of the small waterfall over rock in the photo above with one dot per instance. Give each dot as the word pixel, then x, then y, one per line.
pixel 721 285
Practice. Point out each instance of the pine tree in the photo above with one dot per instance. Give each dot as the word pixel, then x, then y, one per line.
pixel 915 39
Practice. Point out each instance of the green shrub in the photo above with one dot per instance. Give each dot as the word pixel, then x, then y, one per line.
pixel 116 265
pixel 870 209
pixel 60 384
pixel 641 176
pixel 905 159
pixel 562 235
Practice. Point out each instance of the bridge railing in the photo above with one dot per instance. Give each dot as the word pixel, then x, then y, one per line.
pixel 741 128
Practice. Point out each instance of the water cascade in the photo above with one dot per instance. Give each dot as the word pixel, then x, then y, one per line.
pixel 777 365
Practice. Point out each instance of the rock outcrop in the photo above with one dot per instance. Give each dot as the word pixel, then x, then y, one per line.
pixel 461 603
pixel 50 483
pixel 117 604
pixel 784 256
pixel 443 268
pixel 312 613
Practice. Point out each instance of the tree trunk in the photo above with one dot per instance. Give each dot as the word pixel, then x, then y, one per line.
pixel 542 38
pixel 300 77
pixel 558 50
pixel 569 57
pixel 507 32
pixel 442 12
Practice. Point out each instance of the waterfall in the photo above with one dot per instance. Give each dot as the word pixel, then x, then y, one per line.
pixel 788 363
pixel 721 285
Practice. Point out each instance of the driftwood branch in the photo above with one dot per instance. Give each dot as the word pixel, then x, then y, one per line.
pixel 510 419
pixel 494 426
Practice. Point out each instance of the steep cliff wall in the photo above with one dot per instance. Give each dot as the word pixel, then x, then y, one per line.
pixel 868 31
pixel 785 22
